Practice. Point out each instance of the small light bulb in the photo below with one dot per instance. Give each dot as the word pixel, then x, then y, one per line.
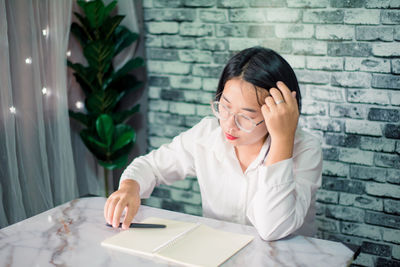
pixel 28 60
pixel 68 53
pixel 13 110
pixel 44 90
pixel 45 32
pixel 79 105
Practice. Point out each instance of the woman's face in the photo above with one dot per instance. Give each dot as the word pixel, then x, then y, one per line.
pixel 240 97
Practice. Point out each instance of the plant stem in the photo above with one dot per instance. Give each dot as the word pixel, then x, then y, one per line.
pixel 106 180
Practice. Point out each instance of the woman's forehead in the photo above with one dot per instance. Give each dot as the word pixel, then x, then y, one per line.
pixel 244 93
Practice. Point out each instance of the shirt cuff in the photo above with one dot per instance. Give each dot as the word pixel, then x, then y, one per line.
pixel 276 174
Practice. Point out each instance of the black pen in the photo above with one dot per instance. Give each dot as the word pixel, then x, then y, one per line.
pixel 141 225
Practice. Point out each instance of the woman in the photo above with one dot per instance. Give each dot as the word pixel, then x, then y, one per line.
pixel 253 165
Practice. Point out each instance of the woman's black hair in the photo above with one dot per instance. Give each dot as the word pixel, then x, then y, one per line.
pixel 261 67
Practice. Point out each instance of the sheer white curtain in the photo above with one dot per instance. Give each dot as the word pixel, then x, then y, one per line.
pixel 37 169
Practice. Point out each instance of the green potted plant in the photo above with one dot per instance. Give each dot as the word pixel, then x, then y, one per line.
pixel 102 38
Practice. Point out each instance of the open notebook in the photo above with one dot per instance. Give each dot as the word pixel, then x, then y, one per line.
pixel 180 242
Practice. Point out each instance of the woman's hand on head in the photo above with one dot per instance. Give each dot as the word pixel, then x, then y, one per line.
pixel 126 197
pixel 281 113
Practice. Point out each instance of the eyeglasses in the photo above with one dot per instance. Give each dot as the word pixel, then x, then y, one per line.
pixel 243 122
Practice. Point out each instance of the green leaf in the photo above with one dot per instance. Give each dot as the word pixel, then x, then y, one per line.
pixel 79 33
pixel 109 26
pixel 99 149
pixel 105 128
pixel 101 101
pixel 120 117
pixel 85 26
pixel 95 13
pixel 123 38
pixel 99 55
pixel 130 65
pixel 124 134
pixel 115 164
pixel 81 117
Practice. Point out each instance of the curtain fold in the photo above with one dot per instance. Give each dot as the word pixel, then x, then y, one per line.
pixel 37 170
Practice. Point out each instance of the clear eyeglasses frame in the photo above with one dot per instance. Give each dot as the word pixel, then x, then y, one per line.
pixel 242 121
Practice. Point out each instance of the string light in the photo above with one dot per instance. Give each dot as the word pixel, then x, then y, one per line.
pixel 44 91
pixel 28 60
pixel 79 105
pixel 45 32
pixel 13 110
pixel 68 53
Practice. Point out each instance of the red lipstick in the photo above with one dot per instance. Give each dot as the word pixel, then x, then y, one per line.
pixel 230 137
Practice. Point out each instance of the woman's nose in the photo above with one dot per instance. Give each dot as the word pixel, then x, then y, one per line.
pixel 230 122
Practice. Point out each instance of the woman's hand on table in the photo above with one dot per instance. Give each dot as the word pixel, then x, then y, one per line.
pixel 126 197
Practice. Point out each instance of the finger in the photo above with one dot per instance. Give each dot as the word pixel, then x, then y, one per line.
pixel 105 210
pixel 285 92
pixel 270 102
pixel 276 94
pixel 110 210
pixel 130 213
pixel 117 213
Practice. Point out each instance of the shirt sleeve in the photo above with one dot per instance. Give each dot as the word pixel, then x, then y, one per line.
pixel 285 192
pixel 167 164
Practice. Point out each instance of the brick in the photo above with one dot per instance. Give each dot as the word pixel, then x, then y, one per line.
pixel 320 209
pixel 191 121
pixel 368 96
pixel 162 27
pixel 362 16
pixel 195 186
pixel 203 110
pixel 166 118
pixel 269 3
pixel 178 42
pixel 154 92
pixel 374 33
pixel 327 196
pixel 207 71
pixel 380 114
pixel 396 68
pixel 156 141
pixel 221 58
pixel 172 205
pixel 193 209
pixel 182 108
pixel 198 97
pixel 159 81
pixel 307 76
pixel 296 62
pixel 349 49
pixel 172 67
pixel 391 206
pixel 153 41
pixel 314 108
pixel 387 160
pixel 324 63
pixel 347 3
pixel 182 184
pixel 185 82
pixel 368 173
pixel 195 29
pixel 377 144
pixel 343 185
pixel 152 202
pixel 364 202
pixel 364 260
pixel 213 16
pixel 342 140
pixel 260 31
pixel 246 15
pixel 238 44
pixel 344 213
pixel 367 64
pixel 327 224
pixel 392 131
pixel 395 98
pixel 351 79
pixel 386 81
pixel 283 15
pixel 378 189
pixel 195 56
pixel 347 111
pixel 357 156
pixel 396 35
pixel 231 30
pixel 382 4
pixel 324 124
pixel 323 16
pixel 309 47
pixel 158 105
pixel 390 17
pixel 167 3
pixel 165 130
pixel 376 249
pixel 343 238
pixel 381 219
pixel 170 14
pixel 147 3
pixel 299 31
pixel 396 251
pixel 279 45
pixel 334 168
pixel 199 3
pixel 363 127
pixel 162 54
pixel 334 32
pixel 307 3
pixel 393 236
pixel 212 44
pixel 386 49
pixel 161 192
pixel 232 3
pixel 393 176
pixel 331 153
pixel 387 262
pixel 186 197
pixel 174 95
pixel 360 230
pixel 210 84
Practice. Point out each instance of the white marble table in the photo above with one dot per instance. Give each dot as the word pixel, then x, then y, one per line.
pixel 70 235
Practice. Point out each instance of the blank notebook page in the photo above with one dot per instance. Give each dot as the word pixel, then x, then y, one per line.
pixel 205 246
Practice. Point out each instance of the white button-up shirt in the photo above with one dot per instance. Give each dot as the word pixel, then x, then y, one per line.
pixel 278 199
